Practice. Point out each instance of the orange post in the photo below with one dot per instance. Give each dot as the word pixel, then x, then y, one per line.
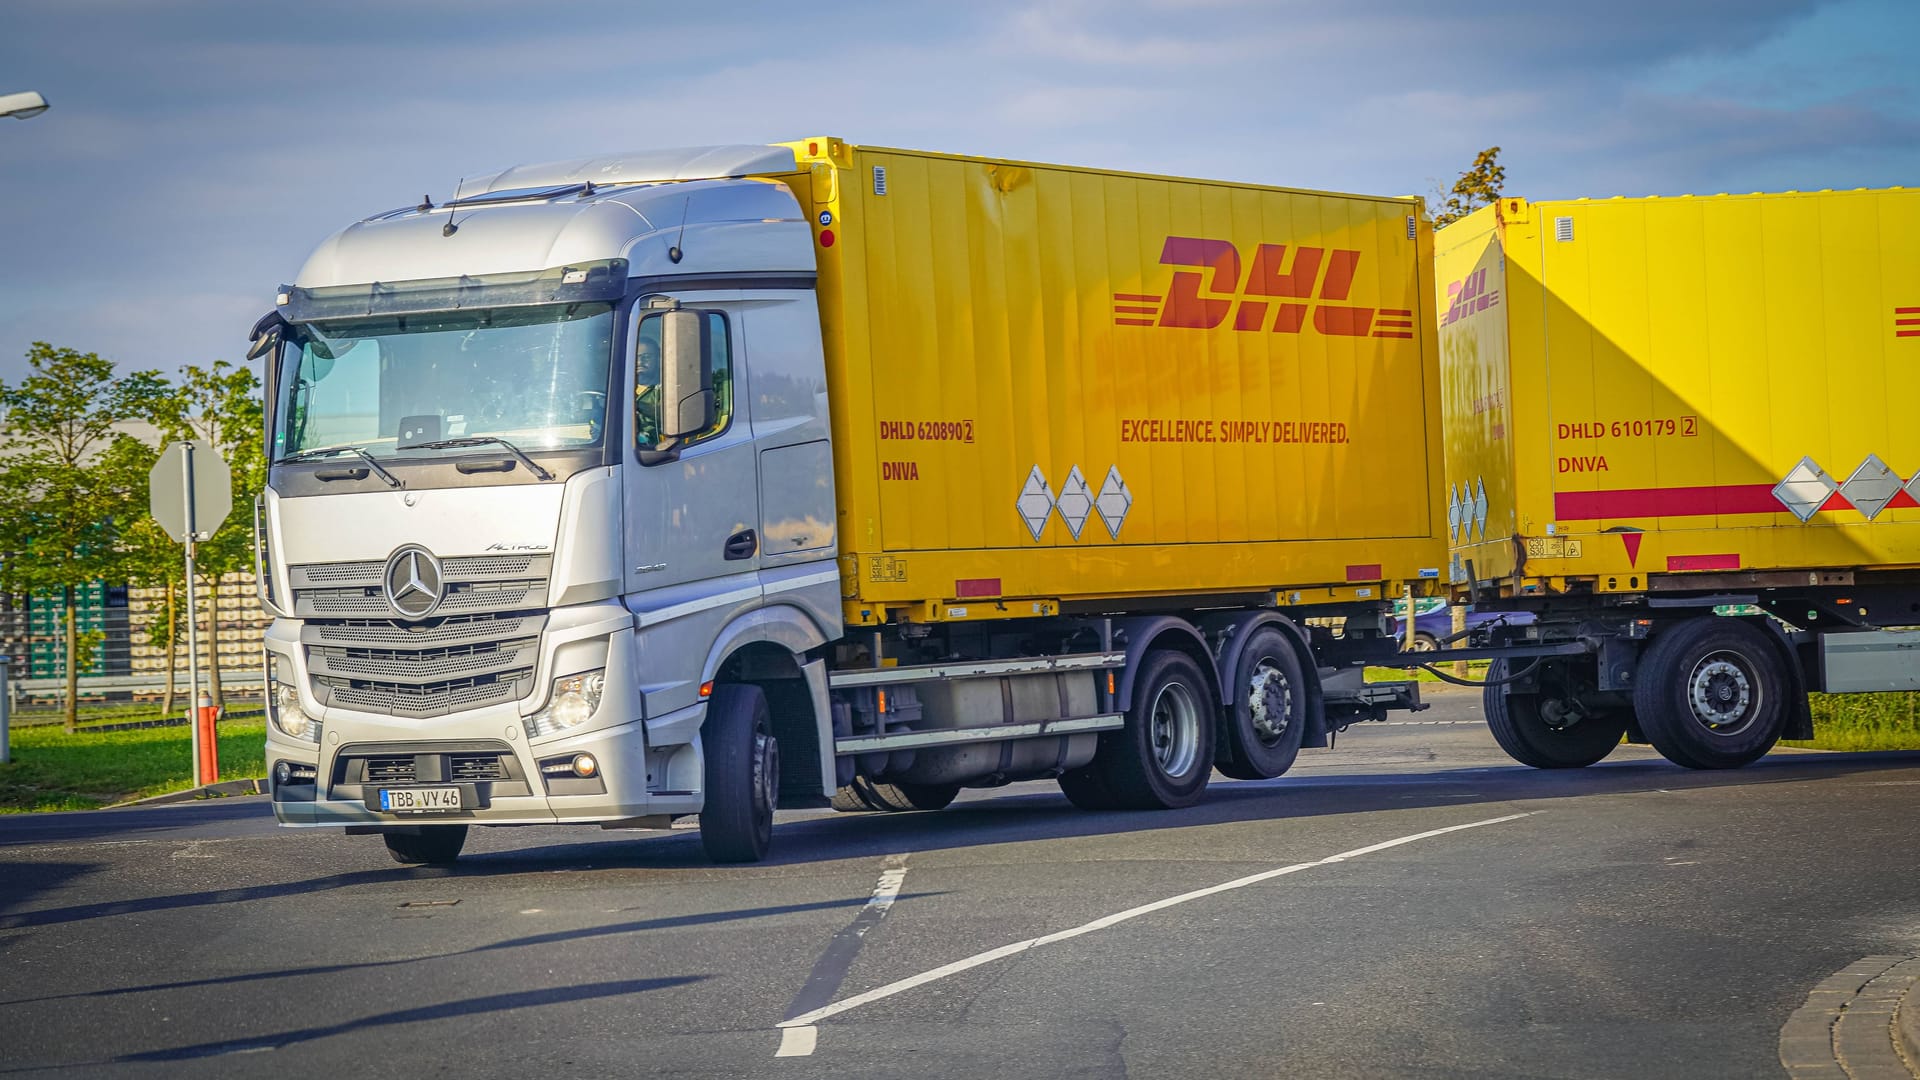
pixel 205 716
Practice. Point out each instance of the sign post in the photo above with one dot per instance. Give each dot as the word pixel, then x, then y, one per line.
pixel 190 492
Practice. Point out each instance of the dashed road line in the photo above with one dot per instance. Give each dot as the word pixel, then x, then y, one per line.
pixel 811 1018
pixel 797 1040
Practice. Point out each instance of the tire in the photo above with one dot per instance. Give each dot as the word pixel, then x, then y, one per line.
pixel 425 845
pixel 864 794
pixel 1162 758
pixel 1712 693
pixel 1549 729
pixel 742 775
pixel 1424 642
pixel 1267 715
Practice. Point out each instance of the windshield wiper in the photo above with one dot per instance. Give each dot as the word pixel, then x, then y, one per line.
pixel 482 440
pixel 329 451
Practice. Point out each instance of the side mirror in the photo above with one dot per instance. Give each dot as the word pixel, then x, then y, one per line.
pixel 687 402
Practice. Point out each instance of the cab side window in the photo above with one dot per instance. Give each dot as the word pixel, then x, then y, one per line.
pixel 646 380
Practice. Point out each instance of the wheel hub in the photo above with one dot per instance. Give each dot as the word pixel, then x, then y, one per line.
pixel 1720 692
pixel 1269 702
pixel 1174 727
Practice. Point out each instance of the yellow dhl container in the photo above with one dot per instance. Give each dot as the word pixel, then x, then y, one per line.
pixel 1682 393
pixel 1057 385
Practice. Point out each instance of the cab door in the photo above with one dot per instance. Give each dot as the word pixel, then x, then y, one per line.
pixel 692 523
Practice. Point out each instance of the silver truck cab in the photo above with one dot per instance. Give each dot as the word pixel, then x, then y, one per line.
pixel 545 460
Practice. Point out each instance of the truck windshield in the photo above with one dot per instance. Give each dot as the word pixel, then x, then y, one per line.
pixel 534 375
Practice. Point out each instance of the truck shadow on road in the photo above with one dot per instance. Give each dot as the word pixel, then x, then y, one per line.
pixel 1024 813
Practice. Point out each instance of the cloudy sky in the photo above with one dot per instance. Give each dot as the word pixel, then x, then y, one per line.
pixel 196 151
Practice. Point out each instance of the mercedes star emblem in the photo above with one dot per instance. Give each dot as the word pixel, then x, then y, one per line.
pixel 413 582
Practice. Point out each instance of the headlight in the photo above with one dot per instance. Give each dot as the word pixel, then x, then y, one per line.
pixel 283 706
pixel 571 704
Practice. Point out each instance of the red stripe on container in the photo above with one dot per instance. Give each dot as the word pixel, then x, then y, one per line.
pixel 1906 322
pixel 1385 334
pixel 1140 298
pixel 1135 309
pixel 1678 563
pixel 1906 333
pixel 1395 311
pixel 973 588
pixel 1366 572
pixel 1133 322
pixel 1906 311
pixel 1666 502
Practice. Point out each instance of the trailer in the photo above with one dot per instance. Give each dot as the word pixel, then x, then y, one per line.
pixel 701 482
pixel 1677 434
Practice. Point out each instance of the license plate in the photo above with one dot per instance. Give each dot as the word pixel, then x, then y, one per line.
pixel 419 800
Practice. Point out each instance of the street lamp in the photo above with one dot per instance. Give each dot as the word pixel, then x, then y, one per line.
pixel 22 105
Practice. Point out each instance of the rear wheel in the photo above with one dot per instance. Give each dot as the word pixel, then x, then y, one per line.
pixel 1163 756
pixel 1712 693
pixel 1550 726
pixel 864 794
pixel 1268 710
pixel 432 845
pixel 742 774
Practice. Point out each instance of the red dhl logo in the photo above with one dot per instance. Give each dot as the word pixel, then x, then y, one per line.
pixel 1202 299
pixel 1468 297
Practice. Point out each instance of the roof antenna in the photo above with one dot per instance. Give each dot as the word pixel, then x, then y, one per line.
pixel 450 228
pixel 426 204
pixel 674 253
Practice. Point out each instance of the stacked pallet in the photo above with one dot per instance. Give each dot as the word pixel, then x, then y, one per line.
pixel 238 625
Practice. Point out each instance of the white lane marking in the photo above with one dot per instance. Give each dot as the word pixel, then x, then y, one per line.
pixel 797 1042
pixel 824 1012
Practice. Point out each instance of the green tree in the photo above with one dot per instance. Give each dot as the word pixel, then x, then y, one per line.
pixel 1477 187
pixel 221 406
pixel 58 531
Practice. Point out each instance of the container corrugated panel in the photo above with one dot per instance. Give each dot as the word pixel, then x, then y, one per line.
pixel 1662 387
pixel 1062 383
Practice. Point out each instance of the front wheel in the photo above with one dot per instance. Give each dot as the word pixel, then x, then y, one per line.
pixel 1712 693
pixel 1162 758
pixel 742 775
pixel 430 845
pixel 1550 727
pixel 1268 711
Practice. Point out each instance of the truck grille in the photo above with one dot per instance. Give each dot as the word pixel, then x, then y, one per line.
pixel 478 649
pixel 390 770
pixel 474 767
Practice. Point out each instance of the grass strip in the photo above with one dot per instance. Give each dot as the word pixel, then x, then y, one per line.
pixel 52 770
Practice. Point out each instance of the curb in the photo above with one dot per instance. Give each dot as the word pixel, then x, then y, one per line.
pixel 205 791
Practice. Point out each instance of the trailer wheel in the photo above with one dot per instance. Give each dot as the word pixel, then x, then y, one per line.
pixel 1550 728
pixel 1163 757
pixel 1268 711
pixel 742 774
pixel 1712 694
pixel 431 845
pixel 864 794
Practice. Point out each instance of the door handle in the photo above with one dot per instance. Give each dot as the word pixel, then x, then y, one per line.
pixel 742 545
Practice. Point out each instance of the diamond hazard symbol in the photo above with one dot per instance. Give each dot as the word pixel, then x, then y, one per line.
pixel 1114 501
pixel 1035 502
pixel 1480 506
pixel 1075 502
pixel 1805 489
pixel 1454 506
pixel 1871 487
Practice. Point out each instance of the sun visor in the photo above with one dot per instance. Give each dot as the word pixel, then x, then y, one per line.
pixel 604 280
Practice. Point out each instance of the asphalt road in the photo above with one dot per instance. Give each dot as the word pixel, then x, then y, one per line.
pixel 1637 920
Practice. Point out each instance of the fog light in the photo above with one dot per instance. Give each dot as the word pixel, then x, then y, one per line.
pixel 584 765
pixel 282 773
